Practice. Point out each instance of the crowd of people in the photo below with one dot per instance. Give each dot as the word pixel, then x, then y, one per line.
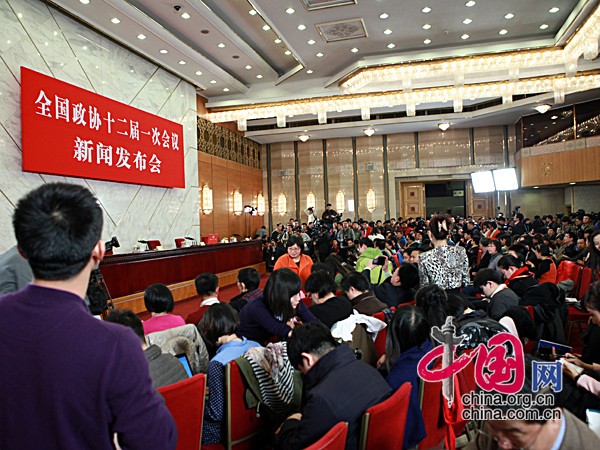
pixel 334 283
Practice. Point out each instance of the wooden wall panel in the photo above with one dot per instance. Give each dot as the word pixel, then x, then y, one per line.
pixel 560 168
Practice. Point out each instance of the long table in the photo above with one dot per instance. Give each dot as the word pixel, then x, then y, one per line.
pixel 129 273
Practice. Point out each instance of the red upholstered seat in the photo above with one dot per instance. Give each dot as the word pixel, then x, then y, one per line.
pixel 568 270
pixel 584 285
pixel 381 338
pixel 383 424
pixel 334 439
pixel 185 401
pixel 431 407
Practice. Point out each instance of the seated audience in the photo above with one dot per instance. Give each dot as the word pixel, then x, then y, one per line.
pixel 495 252
pixel 357 288
pixel 500 296
pixel 326 307
pixel 248 283
pixel 524 324
pixel 337 388
pixel 207 286
pixel 158 300
pixel 400 287
pixel 274 314
pixel 336 269
pixel 164 368
pixel 517 276
pixel 219 326
pixel 545 271
pixel 407 342
pixel 431 299
pixel 294 259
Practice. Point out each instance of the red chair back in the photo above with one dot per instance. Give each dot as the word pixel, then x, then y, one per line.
pixel 244 427
pixel 568 270
pixel 334 439
pixel 179 242
pixel 431 407
pixel 381 338
pixel 586 280
pixel 152 244
pixel 383 424
pixel 185 401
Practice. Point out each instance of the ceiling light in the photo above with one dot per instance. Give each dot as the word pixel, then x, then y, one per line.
pixel 213 81
pixel 502 32
pixel 164 51
pixel 85 2
pixel 470 3
pixel 443 126
pixel 304 137
pixel 182 62
pixel 115 20
pixel 354 50
pixel 388 31
pixel 543 109
pixel 309 71
pixel 426 26
pixel 536 187
pixel 391 45
pixel 221 45
pixel 266 27
pixel 543 26
pixel 427 41
pixel 509 16
pixel 259 76
pixel 554 10
pixel 248 67
pixel 369 131
pixel 465 36
pixel 572 184
pixel 277 41
pixel 252 12
pixel 287 52
pixel 198 73
pixel 290 10
pixel 311 42
pixel 467 21
pixel 141 36
pixel 185 16
pixel 384 16
pixel 319 55
pixel 554 117
pixel 426 10
pixel 225 89
pixel 302 27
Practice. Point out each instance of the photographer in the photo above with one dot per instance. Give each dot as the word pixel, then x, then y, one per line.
pixel 329 216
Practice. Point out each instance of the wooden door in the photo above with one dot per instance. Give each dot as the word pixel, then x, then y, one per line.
pixel 412 201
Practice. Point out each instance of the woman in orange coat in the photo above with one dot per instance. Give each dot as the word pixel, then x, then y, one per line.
pixel 294 260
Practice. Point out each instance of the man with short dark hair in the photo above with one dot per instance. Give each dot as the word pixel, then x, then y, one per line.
pixel 329 216
pixel 357 288
pixel 500 296
pixel 337 388
pixel 248 283
pixel 207 286
pixel 69 380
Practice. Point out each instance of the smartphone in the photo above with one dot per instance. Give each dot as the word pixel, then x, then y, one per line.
pixel 379 261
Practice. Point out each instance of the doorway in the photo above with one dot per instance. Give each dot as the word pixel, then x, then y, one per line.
pixel 445 197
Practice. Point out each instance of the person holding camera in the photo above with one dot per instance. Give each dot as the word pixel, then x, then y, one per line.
pixel 368 252
pixel 329 216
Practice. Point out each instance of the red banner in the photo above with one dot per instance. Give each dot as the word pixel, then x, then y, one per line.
pixel 71 131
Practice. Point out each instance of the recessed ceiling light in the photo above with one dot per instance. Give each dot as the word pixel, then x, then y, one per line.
pixel 354 50
pixel 277 41
pixel 427 41
pixel 509 16
pixel 319 55
pixel 248 67
pixel 572 184
pixel 252 12
pixel 467 21
pixel 198 73
pixel 185 16
pixel 311 42
pixel 554 117
pixel 302 27
pixel 164 51
pixel 543 26
pixel 309 71
pixel 287 52
pixel 225 89
pixel 85 2
pixel 182 62
pixel 388 31
pixel 384 15
pixel 141 36
pixel 426 26
pixel 221 45
pixel 213 81
pixel 115 20
pixel 259 76
pixel 266 27
pixel 290 10
pixel 426 10
pixel 536 187
pixel 391 45
pixel 470 3
pixel 465 36
pixel 502 32
pixel 554 10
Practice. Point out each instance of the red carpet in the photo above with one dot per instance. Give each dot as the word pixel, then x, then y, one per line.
pixel 185 307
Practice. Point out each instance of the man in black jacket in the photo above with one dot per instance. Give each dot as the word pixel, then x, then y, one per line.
pixel 337 388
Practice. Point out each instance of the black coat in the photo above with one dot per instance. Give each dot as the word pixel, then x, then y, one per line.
pixel 338 388
pixel 332 310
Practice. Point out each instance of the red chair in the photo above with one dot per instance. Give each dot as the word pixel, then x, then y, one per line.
pixel 586 280
pixel 431 407
pixel 381 338
pixel 185 401
pixel 179 242
pixel 568 270
pixel 152 244
pixel 383 424
pixel 334 439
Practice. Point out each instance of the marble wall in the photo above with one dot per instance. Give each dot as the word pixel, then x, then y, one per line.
pixel 39 37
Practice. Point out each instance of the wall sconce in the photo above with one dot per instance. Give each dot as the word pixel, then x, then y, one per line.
pixel 543 109
pixel 260 205
pixel 369 131
pixel 310 200
pixel 281 204
pixel 371 200
pixel 443 126
pixel 304 137
pixel 340 199
pixel 207 199
pixel 238 204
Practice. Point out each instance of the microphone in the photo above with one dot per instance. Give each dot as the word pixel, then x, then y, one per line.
pixel 189 238
pixel 142 242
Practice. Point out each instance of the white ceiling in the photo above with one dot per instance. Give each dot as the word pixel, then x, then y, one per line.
pixel 234 61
